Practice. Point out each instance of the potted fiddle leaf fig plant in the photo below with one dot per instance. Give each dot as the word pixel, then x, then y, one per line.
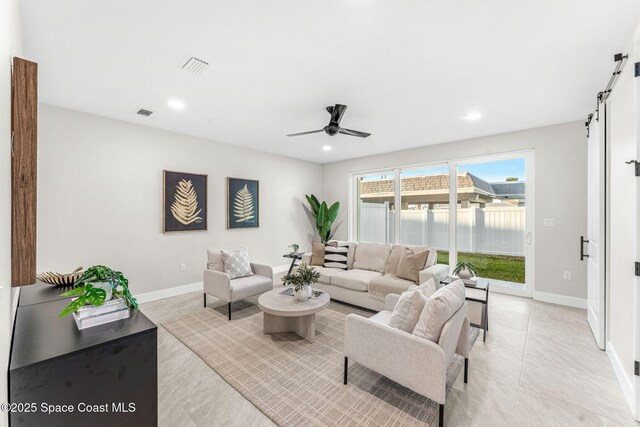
pixel 465 270
pixel 301 280
pixel 97 285
pixel 324 215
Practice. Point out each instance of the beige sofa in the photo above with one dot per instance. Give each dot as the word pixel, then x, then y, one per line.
pixel 370 276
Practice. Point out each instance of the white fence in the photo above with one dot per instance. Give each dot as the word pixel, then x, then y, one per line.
pixel 492 230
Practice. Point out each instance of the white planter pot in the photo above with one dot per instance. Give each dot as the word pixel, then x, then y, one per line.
pixel 107 288
pixel 303 293
pixel 465 274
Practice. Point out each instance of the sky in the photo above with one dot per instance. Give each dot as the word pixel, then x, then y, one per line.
pixel 497 171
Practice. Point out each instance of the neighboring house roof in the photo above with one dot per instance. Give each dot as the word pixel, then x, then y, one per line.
pixel 481 184
pixel 439 183
pixel 515 188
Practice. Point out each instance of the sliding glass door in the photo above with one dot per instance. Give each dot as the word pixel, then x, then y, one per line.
pixel 491 219
pixel 477 210
pixel 424 208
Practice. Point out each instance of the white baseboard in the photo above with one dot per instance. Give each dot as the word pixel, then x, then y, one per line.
pixel 560 299
pixel 623 379
pixel 169 292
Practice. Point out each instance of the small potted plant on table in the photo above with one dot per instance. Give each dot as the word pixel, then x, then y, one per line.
pixel 465 270
pixel 301 280
pixel 97 285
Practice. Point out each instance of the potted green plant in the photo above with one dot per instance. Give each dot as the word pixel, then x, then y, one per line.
pixel 324 215
pixel 301 280
pixel 465 270
pixel 97 285
pixel 294 248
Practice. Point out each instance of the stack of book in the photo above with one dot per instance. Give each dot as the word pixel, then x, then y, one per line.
pixel 110 311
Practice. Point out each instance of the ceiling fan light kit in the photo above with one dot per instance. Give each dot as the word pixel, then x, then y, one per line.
pixel 333 128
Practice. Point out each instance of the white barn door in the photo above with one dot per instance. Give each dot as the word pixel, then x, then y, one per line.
pixel 592 250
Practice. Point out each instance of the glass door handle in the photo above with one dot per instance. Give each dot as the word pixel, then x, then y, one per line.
pixel 529 237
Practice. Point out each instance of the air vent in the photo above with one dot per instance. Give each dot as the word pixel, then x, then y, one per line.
pixel 194 65
pixel 144 112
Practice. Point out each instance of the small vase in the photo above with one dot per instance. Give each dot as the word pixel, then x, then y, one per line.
pixel 465 274
pixel 107 288
pixel 303 293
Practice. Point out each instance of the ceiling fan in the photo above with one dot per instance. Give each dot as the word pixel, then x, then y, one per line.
pixel 333 127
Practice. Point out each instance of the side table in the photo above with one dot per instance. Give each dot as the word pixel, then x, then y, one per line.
pixel 294 257
pixel 480 285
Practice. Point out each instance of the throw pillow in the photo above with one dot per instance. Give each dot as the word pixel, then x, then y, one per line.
pixel 427 288
pixel 411 263
pixel 335 255
pixel 438 310
pixel 236 262
pixel 317 254
pixel 214 260
pixel 407 311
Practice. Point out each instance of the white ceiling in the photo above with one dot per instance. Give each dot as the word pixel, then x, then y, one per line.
pixel 408 70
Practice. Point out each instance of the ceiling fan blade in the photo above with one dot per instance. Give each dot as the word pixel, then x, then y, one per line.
pixel 336 113
pixel 306 133
pixel 353 133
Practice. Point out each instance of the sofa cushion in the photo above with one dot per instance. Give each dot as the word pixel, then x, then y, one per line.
pixel 357 280
pixel 411 263
pixel 214 260
pixel 236 262
pixel 383 317
pixel 326 273
pixel 438 310
pixel 351 255
pixel 335 255
pixel 317 254
pixel 371 256
pixel 382 286
pixel 394 259
pixel 245 287
pixel 407 311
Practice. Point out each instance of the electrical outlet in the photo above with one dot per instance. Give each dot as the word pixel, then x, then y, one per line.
pixel 549 222
pixel 182 268
pixel 567 275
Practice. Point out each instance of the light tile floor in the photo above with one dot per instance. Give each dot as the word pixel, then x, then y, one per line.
pixel 539 367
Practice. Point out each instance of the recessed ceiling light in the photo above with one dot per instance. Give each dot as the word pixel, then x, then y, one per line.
pixel 176 104
pixel 327 148
pixel 474 115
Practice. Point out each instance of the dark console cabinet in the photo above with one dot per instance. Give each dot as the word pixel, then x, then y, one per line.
pixel 107 374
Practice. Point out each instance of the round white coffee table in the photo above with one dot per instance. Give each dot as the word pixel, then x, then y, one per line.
pixel 284 313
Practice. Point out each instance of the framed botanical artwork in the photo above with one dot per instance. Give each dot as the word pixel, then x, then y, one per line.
pixel 184 202
pixel 243 203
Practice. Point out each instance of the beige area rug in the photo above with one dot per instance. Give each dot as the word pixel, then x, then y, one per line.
pixel 296 383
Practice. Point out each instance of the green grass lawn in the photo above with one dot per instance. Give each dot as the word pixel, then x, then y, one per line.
pixel 500 267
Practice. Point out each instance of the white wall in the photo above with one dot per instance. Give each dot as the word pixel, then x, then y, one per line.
pixel 100 199
pixel 561 193
pixel 10 45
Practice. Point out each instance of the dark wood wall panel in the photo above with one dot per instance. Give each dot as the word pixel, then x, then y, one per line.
pixel 24 125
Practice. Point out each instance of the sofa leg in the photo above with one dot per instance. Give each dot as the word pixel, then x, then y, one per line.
pixel 466 369
pixel 441 424
pixel 205 300
pixel 346 369
pixel 229 311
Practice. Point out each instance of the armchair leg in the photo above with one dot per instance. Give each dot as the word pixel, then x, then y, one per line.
pixel 346 369
pixel 205 300
pixel 466 369
pixel 229 311
pixel 441 424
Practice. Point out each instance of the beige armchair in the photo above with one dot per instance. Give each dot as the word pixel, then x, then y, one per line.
pixel 218 283
pixel 411 361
